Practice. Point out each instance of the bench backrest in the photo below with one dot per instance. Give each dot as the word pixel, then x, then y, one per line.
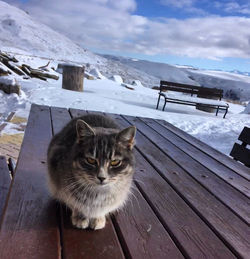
pixel 191 89
pixel 241 152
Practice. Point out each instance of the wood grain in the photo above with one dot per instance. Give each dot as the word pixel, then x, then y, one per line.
pixel 229 227
pixel 215 154
pixel 179 219
pixel 73 78
pixel 188 157
pixel 228 175
pixel 5 182
pixel 29 227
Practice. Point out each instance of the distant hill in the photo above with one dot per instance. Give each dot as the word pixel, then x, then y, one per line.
pixel 236 86
pixel 21 33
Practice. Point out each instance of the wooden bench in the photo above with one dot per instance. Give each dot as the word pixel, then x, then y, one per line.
pixel 241 152
pixel 189 200
pixel 206 98
pixel 5 181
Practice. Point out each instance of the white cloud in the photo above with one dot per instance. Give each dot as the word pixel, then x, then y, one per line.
pixel 210 37
pixel 233 7
pixel 178 3
pixel 237 8
pixel 106 25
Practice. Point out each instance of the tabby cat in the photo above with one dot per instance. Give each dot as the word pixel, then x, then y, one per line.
pixel 90 168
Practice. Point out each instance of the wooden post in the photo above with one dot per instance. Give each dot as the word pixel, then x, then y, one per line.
pixel 73 78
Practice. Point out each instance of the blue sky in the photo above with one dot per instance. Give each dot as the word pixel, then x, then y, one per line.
pixel 201 33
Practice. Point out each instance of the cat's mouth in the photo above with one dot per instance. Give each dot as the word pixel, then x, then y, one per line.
pixel 102 183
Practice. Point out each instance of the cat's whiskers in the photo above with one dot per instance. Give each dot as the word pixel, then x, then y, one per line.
pixel 132 194
pixel 80 154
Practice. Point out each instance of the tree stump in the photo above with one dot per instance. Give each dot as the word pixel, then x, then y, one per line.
pixel 73 78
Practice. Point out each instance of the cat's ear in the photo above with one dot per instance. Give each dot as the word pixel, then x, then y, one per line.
pixel 127 137
pixel 83 130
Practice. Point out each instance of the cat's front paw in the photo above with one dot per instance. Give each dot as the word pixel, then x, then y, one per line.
pixel 79 221
pixel 97 223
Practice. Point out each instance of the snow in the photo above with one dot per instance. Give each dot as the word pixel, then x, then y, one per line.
pixel 20 33
pixel 109 96
pixel 3 68
pixel 137 83
pixel 95 72
pixel 247 110
pixel 7 80
pixel 235 86
pixel 117 79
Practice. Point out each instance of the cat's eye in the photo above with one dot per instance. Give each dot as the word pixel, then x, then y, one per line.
pixel 91 161
pixel 115 162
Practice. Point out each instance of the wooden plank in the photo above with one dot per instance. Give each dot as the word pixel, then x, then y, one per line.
pixel 76 112
pixel 89 244
pixel 29 227
pixel 215 154
pixel 59 118
pixel 84 243
pixel 216 167
pixel 241 153
pixel 5 182
pixel 168 83
pixel 238 202
pixel 215 91
pixel 140 232
pixel 181 90
pixel 229 227
pixel 177 217
pixel 245 135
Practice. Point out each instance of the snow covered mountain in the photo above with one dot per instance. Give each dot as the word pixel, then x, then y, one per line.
pixel 20 33
pixel 161 71
pixel 236 86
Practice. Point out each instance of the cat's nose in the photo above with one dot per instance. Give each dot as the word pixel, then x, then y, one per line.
pixel 101 178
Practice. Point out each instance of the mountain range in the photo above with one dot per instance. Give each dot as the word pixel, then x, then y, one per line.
pixel 20 33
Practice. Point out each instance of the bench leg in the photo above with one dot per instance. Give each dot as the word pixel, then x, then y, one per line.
pixel 217 110
pixel 225 114
pixel 158 102
pixel 164 105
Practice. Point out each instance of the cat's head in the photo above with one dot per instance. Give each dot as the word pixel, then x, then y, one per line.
pixel 103 157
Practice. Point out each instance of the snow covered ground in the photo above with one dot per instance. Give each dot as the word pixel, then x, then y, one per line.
pixel 109 96
pixel 235 86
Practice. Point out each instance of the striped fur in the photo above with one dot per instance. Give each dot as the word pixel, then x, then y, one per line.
pixel 91 190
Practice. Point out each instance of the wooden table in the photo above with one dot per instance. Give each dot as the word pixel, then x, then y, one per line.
pixel 189 200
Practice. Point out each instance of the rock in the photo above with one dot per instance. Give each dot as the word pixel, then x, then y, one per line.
pixel 9 85
pixel 137 83
pixel 95 72
pixel 88 76
pixel 4 71
pixel 247 109
pixel 117 79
